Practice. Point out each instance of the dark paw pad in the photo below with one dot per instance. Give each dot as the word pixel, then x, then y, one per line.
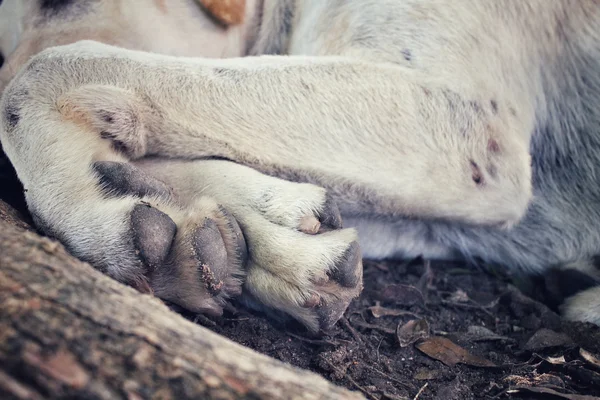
pixel 235 239
pixel 212 256
pixel 330 216
pixel 348 272
pixel 153 234
pixel 331 310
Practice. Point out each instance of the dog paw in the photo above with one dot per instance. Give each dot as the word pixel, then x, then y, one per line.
pixel 310 271
pixel 301 263
pixel 192 256
pixel 317 297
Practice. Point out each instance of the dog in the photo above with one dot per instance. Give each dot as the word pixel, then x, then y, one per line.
pixel 204 150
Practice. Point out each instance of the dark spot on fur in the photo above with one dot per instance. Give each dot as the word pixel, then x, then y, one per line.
pixel 53 8
pixel 117 144
pixel 453 100
pixel 477 175
pixel 306 86
pixel 476 107
pixel 493 146
pixel 55 5
pixel 12 111
pixel 494 106
pixel 512 111
pixel 106 116
pixel 121 179
pixel 492 170
pixel 427 92
pixel 407 54
pixel 1 55
pixel 11 114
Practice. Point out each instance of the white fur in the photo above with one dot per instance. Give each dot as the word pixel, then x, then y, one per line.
pixel 434 124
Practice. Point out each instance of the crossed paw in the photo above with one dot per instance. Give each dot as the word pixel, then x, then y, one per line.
pixel 280 242
pixel 192 232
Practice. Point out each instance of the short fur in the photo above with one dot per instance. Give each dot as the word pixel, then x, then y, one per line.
pixel 442 128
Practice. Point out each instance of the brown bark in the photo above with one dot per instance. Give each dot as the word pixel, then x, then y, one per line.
pixel 67 331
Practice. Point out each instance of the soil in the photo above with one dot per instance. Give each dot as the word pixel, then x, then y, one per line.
pixel 424 330
pixel 503 344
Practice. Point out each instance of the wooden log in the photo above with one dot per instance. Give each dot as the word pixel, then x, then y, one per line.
pixel 68 331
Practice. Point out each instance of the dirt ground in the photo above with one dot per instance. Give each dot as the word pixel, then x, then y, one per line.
pixel 436 331
pixel 425 330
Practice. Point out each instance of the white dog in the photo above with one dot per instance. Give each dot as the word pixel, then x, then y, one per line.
pixel 442 128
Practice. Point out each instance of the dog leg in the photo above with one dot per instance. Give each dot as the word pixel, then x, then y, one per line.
pixel 327 119
pixel 74 107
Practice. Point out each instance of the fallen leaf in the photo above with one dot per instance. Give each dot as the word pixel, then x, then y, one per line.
pixel 412 331
pixel 590 358
pixel 425 374
pixel 378 311
pixel 545 338
pixel 556 360
pixel 451 354
pixel 402 294
pixel 548 391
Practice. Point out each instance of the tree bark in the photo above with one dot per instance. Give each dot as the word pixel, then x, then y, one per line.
pixel 68 331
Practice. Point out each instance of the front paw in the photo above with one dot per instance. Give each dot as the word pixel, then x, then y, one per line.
pixel 308 268
pixel 191 255
pixel 301 263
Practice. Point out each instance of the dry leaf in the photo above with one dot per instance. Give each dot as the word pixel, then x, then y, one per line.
pixel 590 358
pixel 378 311
pixel 556 360
pixel 412 331
pixel 425 374
pixel 451 354
pixel 545 338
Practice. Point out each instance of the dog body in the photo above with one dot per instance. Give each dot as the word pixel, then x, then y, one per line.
pixel 448 129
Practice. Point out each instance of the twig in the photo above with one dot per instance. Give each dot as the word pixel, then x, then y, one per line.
pixel 475 306
pixel 420 391
pixel 391 378
pixel 352 331
pixel 312 341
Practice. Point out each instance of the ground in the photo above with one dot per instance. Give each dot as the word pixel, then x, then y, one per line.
pixel 427 330
pixel 436 331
